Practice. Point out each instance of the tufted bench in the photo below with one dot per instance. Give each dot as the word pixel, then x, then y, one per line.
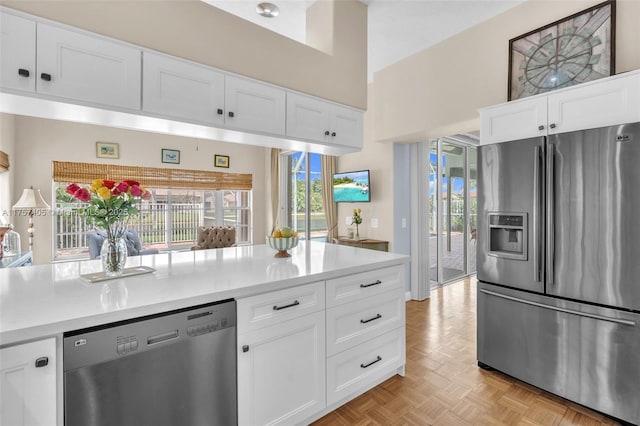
pixel 215 237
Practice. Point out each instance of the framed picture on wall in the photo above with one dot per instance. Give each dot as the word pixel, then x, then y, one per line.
pixel 171 156
pixel 573 50
pixel 221 161
pixel 107 150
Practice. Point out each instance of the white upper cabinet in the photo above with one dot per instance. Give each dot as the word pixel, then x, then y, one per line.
pixel 514 120
pixel 346 126
pixel 254 106
pixel 605 102
pixel 28 384
pixel 182 89
pixel 317 120
pixel 91 69
pixel 17 53
pixel 307 118
pixel 43 61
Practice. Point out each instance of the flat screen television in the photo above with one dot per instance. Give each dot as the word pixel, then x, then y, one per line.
pixel 351 187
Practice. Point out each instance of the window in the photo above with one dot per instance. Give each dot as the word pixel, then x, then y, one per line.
pixel 169 221
pixel 301 191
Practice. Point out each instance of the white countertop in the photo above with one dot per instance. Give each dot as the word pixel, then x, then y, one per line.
pixel 45 300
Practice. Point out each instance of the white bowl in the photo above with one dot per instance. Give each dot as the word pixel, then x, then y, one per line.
pixel 282 245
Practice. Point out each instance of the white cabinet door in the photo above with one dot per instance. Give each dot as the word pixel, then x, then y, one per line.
pixel 85 68
pixel 314 119
pixel 308 118
pixel 346 126
pixel 281 372
pixel 514 120
pixel 254 106
pixel 17 53
pixel 599 104
pixel 181 89
pixel 28 392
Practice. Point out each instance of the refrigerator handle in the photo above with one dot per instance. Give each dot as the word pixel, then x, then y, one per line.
pixel 550 213
pixel 537 176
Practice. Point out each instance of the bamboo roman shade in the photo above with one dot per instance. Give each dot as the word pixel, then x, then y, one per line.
pixel 150 176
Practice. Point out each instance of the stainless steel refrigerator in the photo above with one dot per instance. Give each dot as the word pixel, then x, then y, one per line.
pixel 558 265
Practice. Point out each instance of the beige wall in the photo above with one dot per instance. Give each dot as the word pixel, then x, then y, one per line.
pixel 194 30
pixel 378 158
pixel 7 144
pixel 40 141
pixel 438 91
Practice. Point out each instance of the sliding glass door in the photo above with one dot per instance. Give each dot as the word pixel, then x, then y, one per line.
pixel 452 195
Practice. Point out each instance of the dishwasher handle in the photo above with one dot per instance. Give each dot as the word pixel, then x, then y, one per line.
pixel 159 338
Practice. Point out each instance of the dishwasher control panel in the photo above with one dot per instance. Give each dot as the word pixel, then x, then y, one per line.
pixel 126 344
pixel 125 338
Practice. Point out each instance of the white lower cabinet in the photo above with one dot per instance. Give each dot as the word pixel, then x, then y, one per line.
pixel 281 372
pixel 28 384
pixel 301 356
pixel 358 368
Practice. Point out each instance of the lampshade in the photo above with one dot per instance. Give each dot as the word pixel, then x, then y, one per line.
pixel 30 200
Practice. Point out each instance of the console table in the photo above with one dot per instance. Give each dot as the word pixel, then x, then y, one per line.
pixel 25 258
pixel 363 243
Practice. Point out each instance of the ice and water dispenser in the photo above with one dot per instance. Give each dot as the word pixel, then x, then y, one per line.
pixel 508 235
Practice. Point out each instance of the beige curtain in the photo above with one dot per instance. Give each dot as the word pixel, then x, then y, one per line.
pixel 328 168
pixel 275 187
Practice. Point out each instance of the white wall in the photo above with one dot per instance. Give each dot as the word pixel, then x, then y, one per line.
pixel 40 141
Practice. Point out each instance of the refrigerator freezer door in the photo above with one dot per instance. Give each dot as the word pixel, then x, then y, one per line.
pixel 594 227
pixel 510 214
pixel 584 353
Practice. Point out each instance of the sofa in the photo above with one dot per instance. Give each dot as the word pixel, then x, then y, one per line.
pixel 131 237
pixel 215 237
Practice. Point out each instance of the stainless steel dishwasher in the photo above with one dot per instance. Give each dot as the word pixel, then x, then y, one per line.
pixel 175 368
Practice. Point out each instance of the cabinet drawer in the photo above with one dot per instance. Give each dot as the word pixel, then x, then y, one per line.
pixel 356 322
pixel 271 308
pixel 355 369
pixel 355 287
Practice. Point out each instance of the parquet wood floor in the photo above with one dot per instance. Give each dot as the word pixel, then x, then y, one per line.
pixel 443 384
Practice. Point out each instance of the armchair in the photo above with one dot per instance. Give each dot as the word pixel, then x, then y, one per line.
pixel 215 237
pixel 131 237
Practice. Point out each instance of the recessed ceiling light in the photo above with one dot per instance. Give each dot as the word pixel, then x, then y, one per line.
pixel 268 10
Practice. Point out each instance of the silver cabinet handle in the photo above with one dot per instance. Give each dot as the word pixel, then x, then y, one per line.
pixel 565 310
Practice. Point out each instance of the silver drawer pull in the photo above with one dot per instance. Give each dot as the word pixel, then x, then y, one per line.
pixel 371 363
pixel 377 282
pixel 159 338
pixel 371 319
pixel 559 309
pixel 290 305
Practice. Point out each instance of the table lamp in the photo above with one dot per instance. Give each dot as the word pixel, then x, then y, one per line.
pixel 30 201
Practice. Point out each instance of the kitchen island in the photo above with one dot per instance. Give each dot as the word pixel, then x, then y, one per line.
pixel 44 301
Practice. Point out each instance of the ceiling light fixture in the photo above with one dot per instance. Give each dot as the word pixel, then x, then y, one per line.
pixel 268 10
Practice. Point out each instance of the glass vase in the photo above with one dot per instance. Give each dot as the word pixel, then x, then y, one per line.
pixel 114 255
pixel 357 236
